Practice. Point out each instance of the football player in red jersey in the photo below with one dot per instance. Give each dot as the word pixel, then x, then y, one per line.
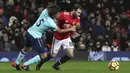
pixel 65 20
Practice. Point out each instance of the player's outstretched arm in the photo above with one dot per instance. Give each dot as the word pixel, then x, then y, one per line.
pixel 73 28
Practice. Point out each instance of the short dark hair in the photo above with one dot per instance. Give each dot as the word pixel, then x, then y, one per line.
pixel 53 9
pixel 77 6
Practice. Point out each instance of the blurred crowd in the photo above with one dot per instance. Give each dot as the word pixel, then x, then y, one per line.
pixel 105 24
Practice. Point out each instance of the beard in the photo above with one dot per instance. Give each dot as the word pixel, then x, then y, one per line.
pixel 74 15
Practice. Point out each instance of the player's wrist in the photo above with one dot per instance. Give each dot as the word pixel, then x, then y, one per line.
pixel 69 29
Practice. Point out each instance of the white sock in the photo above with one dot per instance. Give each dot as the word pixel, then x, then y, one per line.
pixel 20 57
pixel 34 60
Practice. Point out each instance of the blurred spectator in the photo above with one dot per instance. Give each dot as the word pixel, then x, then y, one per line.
pixel 106 47
pixel 90 45
pixel 1 24
pixel 1 42
pixel 1 4
pixel 65 5
pixel 98 46
pixel 3 17
pixel 108 34
pixel 7 46
pixel 128 48
pixel 100 38
pixel 84 22
pixel 97 29
pixel 91 6
pixel 40 10
pixel 116 32
pixel 123 40
pixel 115 46
pixel 81 44
pixel 128 32
pixel 12 21
pixel 89 42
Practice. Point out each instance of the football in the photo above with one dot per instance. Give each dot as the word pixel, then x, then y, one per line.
pixel 113 65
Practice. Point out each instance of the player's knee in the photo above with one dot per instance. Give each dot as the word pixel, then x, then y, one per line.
pixel 53 55
pixel 27 49
pixel 43 56
pixel 71 55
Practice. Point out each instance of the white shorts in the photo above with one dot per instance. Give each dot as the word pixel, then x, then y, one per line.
pixel 57 44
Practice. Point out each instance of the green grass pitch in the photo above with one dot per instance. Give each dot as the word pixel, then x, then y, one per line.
pixel 70 67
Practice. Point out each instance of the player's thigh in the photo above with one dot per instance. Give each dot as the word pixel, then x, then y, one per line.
pixel 69 47
pixel 28 43
pixel 39 46
pixel 67 43
pixel 56 44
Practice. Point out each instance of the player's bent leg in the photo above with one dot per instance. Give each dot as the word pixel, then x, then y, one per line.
pixel 53 55
pixel 64 59
pixel 49 56
pixel 54 50
pixel 55 47
pixel 70 52
pixel 23 52
pixel 39 65
pixel 42 51
pixel 61 61
pixel 43 57
pixel 16 66
pixel 21 55
pixel 55 66
pixel 68 46
pixel 36 59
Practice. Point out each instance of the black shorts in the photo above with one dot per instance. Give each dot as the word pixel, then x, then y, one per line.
pixel 37 44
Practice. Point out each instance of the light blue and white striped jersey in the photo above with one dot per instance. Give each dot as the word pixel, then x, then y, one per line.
pixel 43 23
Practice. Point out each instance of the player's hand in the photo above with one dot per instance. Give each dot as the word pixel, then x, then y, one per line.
pixel 73 28
pixel 75 35
pixel 67 26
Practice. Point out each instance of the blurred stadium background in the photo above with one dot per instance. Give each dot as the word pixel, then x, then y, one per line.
pixel 104 31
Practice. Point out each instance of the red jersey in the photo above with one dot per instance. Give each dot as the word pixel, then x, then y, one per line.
pixel 65 18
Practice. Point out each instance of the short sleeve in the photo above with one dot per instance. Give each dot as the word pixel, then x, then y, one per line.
pixel 52 25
